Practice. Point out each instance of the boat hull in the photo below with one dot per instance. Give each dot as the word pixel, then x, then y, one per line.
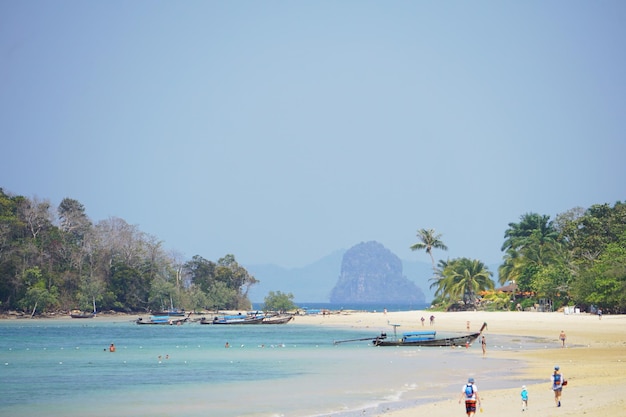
pixel 443 342
pixel 237 321
pixel 77 314
pixel 82 316
pixel 277 319
pixel 164 321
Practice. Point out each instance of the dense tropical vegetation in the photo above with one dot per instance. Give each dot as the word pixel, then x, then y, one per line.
pixel 59 260
pixel 577 259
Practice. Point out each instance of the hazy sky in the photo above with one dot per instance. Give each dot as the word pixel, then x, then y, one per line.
pixel 281 131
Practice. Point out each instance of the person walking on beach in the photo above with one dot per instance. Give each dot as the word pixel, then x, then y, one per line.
pixel 524 395
pixel 432 320
pixel 557 385
pixel 483 343
pixel 423 320
pixel 470 394
pixel 562 336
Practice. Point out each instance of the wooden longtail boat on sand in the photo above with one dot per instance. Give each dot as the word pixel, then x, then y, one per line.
pixel 277 319
pixel 78 314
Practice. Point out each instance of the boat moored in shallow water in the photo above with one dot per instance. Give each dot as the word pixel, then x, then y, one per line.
pixel 163 320
pixel 426 339
pixel 233 319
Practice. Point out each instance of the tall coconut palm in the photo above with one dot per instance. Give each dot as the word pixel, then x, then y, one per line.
pixel 429 241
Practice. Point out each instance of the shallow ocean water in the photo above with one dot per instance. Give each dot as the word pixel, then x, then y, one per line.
pixel 63 368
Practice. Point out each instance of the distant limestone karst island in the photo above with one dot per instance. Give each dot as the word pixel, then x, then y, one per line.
pixel 371 273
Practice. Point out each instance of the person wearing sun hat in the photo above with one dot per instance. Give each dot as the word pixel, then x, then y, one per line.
pixel 557 385
pixel 470 394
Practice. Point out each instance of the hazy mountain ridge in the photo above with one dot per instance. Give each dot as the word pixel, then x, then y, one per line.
pixel 372 273
pixel 314 282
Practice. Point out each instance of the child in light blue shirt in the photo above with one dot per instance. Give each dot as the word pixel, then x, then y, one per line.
pixel 524 395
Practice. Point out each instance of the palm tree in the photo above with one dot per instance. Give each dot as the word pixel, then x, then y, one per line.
pixel 469 277
pixel 461 279
pixel 532 229
pixel 429 241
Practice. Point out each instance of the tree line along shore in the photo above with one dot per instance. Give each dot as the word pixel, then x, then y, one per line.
pixel 58 259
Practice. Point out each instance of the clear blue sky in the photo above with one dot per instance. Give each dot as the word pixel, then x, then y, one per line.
pixel 281 131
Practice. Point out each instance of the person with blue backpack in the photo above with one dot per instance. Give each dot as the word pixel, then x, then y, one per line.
pixel 558 382
pixel 470 394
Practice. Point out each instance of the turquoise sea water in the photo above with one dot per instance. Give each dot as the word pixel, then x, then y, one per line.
pixel 63 368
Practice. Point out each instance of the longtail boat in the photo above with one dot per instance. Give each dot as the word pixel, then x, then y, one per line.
pixel 233 319
pixel 277 319
pixel 78 314
pixel 427 339
pixel 163 320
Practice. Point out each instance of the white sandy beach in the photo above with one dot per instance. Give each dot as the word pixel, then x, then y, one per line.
pixel 593 361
